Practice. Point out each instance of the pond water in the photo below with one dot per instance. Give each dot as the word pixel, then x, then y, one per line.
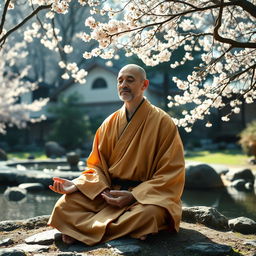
pixel 229 202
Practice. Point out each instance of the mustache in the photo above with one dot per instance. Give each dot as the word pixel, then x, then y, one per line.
pixel 125 90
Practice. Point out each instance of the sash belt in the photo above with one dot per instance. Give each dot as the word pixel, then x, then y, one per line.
pixel 125 184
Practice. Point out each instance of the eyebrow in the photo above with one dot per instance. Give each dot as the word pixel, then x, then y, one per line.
pixel 129 76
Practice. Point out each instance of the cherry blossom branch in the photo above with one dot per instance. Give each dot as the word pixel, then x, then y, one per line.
pixel 4 15
pixel 221 39
pixel 40 8
pixel 246 5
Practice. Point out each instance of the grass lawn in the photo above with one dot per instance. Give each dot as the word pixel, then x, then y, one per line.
pixel 227 157
pixel 232 157
pixel 40 155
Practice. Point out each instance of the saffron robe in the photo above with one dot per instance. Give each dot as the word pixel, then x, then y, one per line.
pixel 146 149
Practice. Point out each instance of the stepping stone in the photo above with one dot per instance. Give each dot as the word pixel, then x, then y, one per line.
pixel 121 242
pixel 31 248
pixel 44 238
pixel 78 247
pixel 126 246
pixel 210 249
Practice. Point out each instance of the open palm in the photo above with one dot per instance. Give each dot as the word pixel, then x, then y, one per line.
pixel 63 186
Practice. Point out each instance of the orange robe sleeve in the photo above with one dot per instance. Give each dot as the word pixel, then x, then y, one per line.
pixel 166 185
pixel 93 180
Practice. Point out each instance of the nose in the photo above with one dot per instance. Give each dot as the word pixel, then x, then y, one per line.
pixel 122 84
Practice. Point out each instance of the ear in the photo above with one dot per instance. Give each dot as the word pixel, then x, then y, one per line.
pixel 145 84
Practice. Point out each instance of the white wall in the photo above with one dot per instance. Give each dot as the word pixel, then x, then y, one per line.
pixel 89 95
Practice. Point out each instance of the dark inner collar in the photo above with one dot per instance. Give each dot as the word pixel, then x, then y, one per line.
pixel 126 112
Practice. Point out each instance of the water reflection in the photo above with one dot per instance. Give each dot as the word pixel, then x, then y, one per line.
pixel 228 201
pixel 34 204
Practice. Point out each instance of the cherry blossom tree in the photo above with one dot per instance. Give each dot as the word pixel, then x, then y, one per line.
pixel 40 60
pixel 14 86
pixel 222 31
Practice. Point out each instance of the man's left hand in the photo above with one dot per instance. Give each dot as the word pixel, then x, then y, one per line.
pixel 119 198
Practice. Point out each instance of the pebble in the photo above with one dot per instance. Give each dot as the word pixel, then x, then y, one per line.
pixel 6 242
pixel 12 252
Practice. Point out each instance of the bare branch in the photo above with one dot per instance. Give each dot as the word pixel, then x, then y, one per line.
pixel 246 5
pixel 4 15
pixel 233 43
pixel 40 8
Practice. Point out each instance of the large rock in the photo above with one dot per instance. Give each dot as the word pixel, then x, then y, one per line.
pixel 244 174
pixel 202 176
pixel 15 193
pixel 53 149
pixel 207 216
pixel 32 186
pixel 243 225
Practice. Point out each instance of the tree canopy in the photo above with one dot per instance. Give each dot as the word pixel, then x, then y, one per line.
pixel 222 32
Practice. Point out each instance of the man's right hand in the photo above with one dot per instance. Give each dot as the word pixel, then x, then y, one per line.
pixel 63 186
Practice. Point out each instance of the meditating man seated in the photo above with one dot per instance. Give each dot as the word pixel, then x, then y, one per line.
pixel 134 177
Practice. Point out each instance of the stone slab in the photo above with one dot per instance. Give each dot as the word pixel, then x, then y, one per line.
pixel 44 238
pixel 209 249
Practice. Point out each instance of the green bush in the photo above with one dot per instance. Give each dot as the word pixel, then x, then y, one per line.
pixel 248 139
pixel 72 126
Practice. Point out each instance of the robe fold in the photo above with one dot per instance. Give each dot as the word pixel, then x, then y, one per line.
pixel 147 149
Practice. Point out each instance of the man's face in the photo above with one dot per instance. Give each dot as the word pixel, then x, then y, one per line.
pixel 130 84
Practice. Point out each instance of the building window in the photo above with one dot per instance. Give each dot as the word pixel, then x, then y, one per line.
pixel 99 83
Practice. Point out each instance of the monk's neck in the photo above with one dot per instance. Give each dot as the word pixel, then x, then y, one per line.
pixel 132 106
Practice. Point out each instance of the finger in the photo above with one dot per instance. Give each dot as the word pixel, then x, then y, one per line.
pixel 111 200
pixel 59 187
pixel 118 192
pixel 107 193
pixel 59 179
pixel 52 188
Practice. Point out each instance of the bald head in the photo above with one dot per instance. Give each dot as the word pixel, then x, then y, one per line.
pixel 133 68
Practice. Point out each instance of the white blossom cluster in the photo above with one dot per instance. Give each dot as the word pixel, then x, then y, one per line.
pixel 49 37
pixel 73 71
pixel 153 29
pixel 12 87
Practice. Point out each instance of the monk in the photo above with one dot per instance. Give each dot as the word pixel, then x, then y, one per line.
pixel 134 177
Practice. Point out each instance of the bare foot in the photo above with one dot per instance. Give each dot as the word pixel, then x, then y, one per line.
pixel 68 239
pixel 143 238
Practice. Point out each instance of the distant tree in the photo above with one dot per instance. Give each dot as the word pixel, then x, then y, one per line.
pixel 72 126
pixel 248 139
